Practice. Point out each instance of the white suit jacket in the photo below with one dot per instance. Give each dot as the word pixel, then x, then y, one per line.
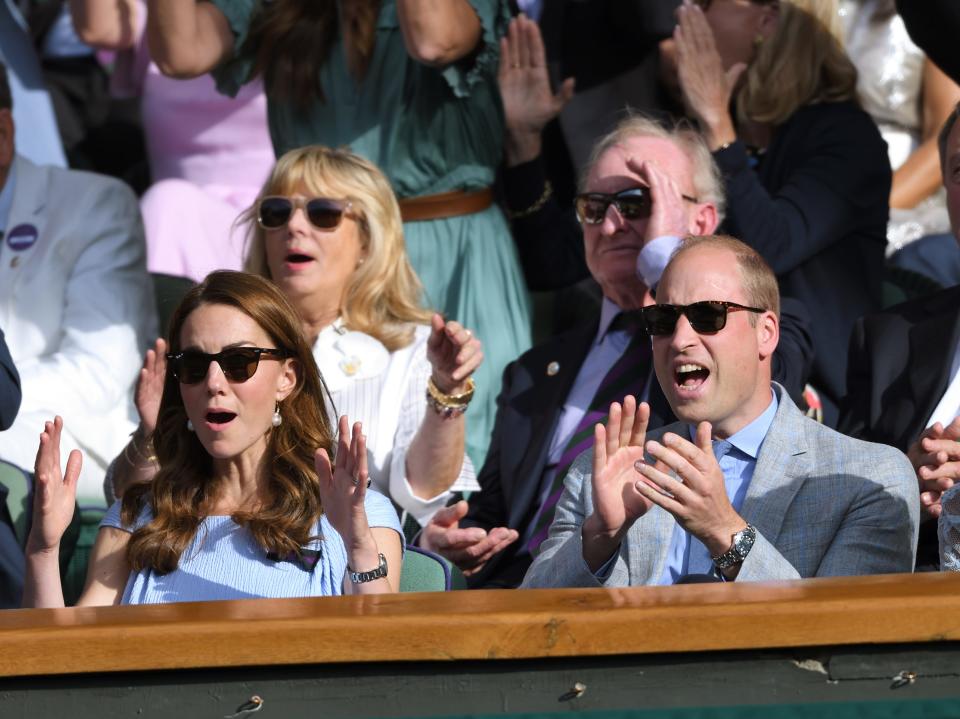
pixel 823 504
pixel 77 308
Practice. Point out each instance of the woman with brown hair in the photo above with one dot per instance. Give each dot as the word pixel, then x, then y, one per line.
pixel 246 502
pixel 409 85
pixel 805 170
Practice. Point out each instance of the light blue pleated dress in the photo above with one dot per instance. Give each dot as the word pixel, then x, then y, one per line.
pixel 224 562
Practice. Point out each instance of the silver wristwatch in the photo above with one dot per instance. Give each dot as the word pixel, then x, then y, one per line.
pixel 742 543
pixel 363 577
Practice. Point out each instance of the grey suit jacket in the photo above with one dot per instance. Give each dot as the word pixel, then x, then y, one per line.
pixel 824 504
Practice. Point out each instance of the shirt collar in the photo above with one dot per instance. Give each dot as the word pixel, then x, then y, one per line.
pixel 749 439
pixel 608 312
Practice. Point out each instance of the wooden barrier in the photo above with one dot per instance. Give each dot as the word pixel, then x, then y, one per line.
pixel 472 634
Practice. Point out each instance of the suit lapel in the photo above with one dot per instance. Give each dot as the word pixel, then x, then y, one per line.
pixel 932 345
pixel 28 209
pixel 548 392
pixel 782 466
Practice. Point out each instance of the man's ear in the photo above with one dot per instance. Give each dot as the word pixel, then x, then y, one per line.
pixel 705 219
pixel 287 381
pixel 768 333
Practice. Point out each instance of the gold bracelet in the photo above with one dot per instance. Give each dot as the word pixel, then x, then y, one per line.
pixel 451 400
pixel 536 206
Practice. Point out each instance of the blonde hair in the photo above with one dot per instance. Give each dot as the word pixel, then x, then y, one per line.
pixel 804 63
pixel 707 180
pixel 383 295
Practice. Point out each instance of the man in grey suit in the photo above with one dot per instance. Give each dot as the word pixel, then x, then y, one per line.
pixel 744 487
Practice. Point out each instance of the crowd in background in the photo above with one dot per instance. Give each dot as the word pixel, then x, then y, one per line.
pixel 442 221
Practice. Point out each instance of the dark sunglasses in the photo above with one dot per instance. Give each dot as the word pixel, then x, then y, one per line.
pixel 275 212
pixel 705 317
pixel 633 203
pixel 238 363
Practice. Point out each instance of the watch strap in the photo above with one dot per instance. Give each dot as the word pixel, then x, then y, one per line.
pixel 742 544
pixel 363 577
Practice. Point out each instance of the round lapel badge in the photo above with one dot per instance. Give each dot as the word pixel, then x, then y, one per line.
pixel 22 237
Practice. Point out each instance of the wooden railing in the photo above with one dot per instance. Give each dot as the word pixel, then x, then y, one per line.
pixel 482 625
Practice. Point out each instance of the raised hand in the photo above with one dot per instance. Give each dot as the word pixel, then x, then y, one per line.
pixel 617 504
pixel 470 548
pixel 55 491
pixel 707 88
pixel 669 212
pixel 529 103
pixel 343 485
pixel 688 483
pixel 454 354
pixel 150 385
pixel 936 458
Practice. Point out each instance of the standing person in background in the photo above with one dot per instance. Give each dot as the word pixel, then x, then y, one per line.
pixel 408 84
pixel 805 170
pixel 909 98
pixel 208 154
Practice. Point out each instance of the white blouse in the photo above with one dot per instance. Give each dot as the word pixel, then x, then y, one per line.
pixel 387 393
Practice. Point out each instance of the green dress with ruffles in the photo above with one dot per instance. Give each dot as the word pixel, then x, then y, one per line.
pixel 430 130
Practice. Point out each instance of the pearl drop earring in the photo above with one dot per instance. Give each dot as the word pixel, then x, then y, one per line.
pixel 189 426
pixel 277 419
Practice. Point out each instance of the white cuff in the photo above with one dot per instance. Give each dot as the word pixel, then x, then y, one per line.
pixel 653 258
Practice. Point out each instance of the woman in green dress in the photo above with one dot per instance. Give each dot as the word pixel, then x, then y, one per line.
pixel 409 84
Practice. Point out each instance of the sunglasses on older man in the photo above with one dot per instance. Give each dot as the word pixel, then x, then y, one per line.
pixel 274 212
pixel 634 203
pixel 237 363
pixel 705 317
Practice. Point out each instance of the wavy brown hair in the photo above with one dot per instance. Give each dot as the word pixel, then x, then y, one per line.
pixel 185 489
pixel 291 39
pixel 383 297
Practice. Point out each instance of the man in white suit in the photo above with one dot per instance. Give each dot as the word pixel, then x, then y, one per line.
pixel 76 306
pixel 744 487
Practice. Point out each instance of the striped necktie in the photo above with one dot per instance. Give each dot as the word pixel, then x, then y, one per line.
pixel 628 375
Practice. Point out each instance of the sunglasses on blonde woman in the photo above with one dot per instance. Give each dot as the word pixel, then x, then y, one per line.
pixel 274 212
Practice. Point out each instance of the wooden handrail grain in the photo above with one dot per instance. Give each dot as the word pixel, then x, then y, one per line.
pixel 482 625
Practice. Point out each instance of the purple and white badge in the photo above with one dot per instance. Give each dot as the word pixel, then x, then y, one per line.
pixel 22 237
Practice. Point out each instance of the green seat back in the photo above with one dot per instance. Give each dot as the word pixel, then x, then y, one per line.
pixel 75 574
pixel 425 571
pixel 168 290
pixel 17 482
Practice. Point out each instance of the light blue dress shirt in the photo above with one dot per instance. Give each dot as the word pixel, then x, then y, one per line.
pixel 688 555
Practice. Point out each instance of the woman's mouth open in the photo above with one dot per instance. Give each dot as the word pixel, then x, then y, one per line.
pixel 218 420
pixel 297 260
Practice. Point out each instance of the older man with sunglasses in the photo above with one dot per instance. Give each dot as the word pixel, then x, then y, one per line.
pixel 645 186
pixel 745 486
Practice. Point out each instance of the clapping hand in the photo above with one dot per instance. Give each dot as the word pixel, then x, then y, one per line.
pixel 617 503
pixel 343 485
pixel 669 213
pixel 454 354
pixel 936 460
pixel 688 483
pixel 470 548
pixel 529 103
pixel 707 88
pixel 55 492
pixel 150 385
